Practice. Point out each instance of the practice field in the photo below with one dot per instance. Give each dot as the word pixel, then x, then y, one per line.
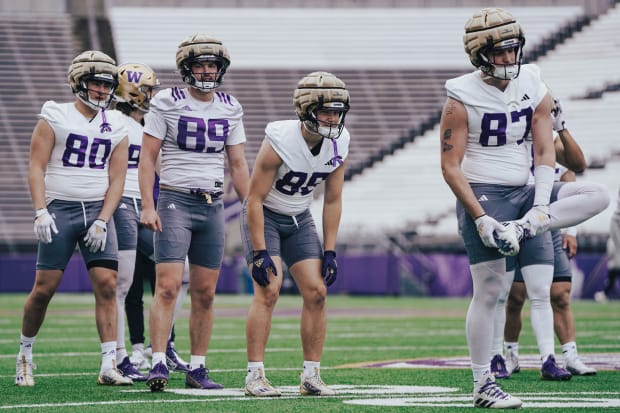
pixel 382 355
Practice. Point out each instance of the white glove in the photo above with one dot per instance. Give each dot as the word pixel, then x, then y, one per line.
pixel 44 225
pixel 96 236
pixel 536 220
pixel 558 119
pixel 486 226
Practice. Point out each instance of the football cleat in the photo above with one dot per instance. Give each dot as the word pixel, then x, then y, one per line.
pixel 261 387
pixel 498 367
pixel 508 240
pixel 512 362
pixel 128 370
pixel 158 377
pixel 600 297
pixel 577 368
pixel 314 386
pixel 174 361
pixel 199 379
pixel 551 371
pixel 139 360
pixel 113 377
pixel 489 395
pixel 23 372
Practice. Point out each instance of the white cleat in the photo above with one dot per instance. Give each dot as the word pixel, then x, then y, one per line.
pixel 489 395
pixel 139 361
pixel 577 368
pixel 261 387
pixel 314 386
pixel 512 362
pixel 600 297
pixel 113 377
pixel 23 372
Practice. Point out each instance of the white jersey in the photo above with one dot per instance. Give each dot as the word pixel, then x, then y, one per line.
pixel 301 171
pixel 498 123
pixel 134 133
pixel 559 169
pixel 78 165
pixel 194 135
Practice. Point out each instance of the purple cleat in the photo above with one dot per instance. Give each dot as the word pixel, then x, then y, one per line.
pixel 130 371
pixel 158 377
pixel 174 361
pixel 551 371
pixel 199 379
pixel 498 367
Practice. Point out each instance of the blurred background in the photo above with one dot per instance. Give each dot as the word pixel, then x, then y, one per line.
pixel 398 234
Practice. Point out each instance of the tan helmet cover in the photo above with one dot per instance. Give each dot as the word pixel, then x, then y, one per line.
pixel 489 27
pixel 318 87
pixel 134 82
pixel 201 44
pixel 91 62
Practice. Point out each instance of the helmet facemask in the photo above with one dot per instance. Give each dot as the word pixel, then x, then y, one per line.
pixel 204 81
pixel 86 95
pixel 324 128
pixel 499 70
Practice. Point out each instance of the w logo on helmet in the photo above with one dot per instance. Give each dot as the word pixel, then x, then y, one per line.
pixel 134 77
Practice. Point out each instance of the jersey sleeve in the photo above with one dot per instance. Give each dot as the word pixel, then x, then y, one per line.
pixel 154 121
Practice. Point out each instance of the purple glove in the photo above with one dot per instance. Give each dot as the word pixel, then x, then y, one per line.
pixel 329 269
pixel 261 264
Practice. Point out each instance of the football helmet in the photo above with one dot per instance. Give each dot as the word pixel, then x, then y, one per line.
pixel 321 90
pixel 202 48
pixel 135 85
pixel 494 29
pixel 92 65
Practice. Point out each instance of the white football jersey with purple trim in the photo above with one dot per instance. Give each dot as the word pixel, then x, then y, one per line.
pixel 194 135
pixel 301 171
pixel 498 123
pixel 78 165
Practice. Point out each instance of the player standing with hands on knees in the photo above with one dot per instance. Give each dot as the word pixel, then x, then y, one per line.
pixel 487 116
pixel 277 226
pixel 78 162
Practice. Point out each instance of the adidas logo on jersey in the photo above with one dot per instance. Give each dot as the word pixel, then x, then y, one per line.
pixel 525 97
pixel 171 206
pixel 187 108
pixel 336 160
pixel 483 198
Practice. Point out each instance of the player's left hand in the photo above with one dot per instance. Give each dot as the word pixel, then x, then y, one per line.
pixel 569 243
pixel 329 268
pixel 538 219
pixel 96 236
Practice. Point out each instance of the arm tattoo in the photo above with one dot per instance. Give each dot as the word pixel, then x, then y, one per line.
pixel 445 146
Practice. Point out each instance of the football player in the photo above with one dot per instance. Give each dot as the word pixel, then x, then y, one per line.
pixel 487 115
pixel 78 161
pixel 570 158
pixel 295 157
pixel 193 127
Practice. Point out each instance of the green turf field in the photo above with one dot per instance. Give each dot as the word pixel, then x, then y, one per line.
pixel 362 331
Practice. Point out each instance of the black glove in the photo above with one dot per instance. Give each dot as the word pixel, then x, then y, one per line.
pixel 261 263
pixel 329 269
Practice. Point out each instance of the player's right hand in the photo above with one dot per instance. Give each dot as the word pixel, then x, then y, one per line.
pixel 486 226
pixel 261 265
pixel 150 219
pixel 44 225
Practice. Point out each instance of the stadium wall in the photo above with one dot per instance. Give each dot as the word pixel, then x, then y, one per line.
pixel 412 274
